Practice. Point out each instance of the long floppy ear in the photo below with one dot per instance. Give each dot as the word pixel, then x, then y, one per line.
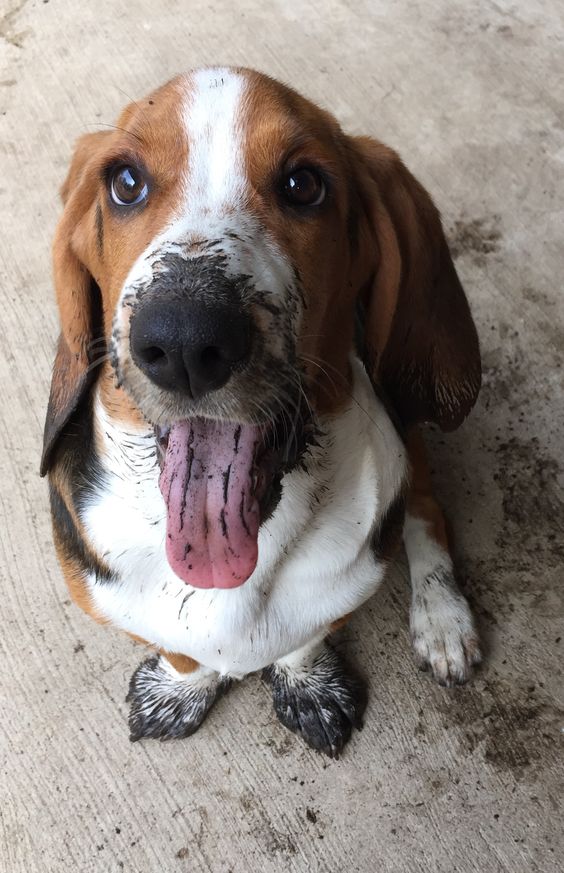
pixel 77 297
pixel 420 342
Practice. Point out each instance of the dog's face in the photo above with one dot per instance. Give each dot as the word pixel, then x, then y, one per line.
pixel 239 193
pixel 218 244
pixel 217 234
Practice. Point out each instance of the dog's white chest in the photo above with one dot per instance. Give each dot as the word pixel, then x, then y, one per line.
pixel 315 558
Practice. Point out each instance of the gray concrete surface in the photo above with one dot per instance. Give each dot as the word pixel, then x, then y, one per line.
pixel 472 95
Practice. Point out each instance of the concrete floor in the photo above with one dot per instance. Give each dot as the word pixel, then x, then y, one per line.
pixel 466 780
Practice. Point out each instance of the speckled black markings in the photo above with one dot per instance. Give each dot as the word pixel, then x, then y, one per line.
pixel 186 482
pixel 236 438
pixel 100 229
pixel 223 523
pixel 324 706
pixel 184 601
pixel 226 475
pixel 165 707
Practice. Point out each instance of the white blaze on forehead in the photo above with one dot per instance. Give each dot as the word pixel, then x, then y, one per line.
pixel 214 177
pixel 213 120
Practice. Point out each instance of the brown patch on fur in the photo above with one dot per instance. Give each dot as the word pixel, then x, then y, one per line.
pixel 341 622
pixel 137 639
pixel 75 580
pixel 117 402
pixel 181 663
pixel 421 502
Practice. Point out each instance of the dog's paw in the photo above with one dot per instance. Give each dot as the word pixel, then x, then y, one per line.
pixel 443 634
pixel 166 704
pixel 321 703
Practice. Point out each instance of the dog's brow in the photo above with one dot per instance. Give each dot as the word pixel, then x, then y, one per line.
pixel 137 136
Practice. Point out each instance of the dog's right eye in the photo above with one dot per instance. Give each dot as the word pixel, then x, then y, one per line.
pixel 304 186
pixel 128 186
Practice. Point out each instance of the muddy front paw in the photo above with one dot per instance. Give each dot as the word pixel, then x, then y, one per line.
pixel 318 698
pixel 166 704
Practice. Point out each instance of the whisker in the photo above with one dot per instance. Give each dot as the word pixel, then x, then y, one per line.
pixel 348 393
pixel 135 103
pixel 101 360
pixel 115 127
pixel 96 343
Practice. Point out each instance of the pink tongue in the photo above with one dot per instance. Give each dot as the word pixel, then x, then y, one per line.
pixel 212 515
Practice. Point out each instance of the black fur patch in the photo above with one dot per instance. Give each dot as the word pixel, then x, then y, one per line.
pixel 70 541
pixel 75 456
pixel 165 707
pixel 100 229
pixel 74 460
pixel 387 538
pixel 322 706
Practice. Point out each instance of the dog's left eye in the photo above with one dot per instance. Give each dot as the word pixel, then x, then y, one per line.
pixel 127 186
pixel 304 187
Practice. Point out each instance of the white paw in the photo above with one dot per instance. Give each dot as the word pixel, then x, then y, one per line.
pixel 443 634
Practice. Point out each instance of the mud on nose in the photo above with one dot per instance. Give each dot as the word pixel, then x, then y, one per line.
pixel 189 347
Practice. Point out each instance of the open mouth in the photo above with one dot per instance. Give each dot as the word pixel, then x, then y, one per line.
pixel 219 480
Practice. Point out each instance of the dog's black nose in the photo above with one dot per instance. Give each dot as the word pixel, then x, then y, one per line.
pixel 187 346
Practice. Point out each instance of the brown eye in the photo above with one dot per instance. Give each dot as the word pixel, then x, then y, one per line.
pixel 127 186
pixel 304 188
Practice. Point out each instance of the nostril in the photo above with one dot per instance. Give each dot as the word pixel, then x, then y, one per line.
pixel 152 354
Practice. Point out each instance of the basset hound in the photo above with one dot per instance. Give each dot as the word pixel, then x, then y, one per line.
pixel 257 311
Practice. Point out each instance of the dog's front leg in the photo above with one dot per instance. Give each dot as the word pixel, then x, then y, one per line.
pixel 443 633
pixel 170 696
pixel 315 695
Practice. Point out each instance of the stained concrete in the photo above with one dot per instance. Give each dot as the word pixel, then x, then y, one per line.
pixel 471 94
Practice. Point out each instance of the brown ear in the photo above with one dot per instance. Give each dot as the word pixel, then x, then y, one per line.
pixel 77 296
pixel 420 340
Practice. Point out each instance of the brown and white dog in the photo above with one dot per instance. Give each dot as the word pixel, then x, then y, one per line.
pixel 245 293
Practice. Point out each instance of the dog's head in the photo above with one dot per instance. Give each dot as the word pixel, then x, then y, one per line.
pixel 222 244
